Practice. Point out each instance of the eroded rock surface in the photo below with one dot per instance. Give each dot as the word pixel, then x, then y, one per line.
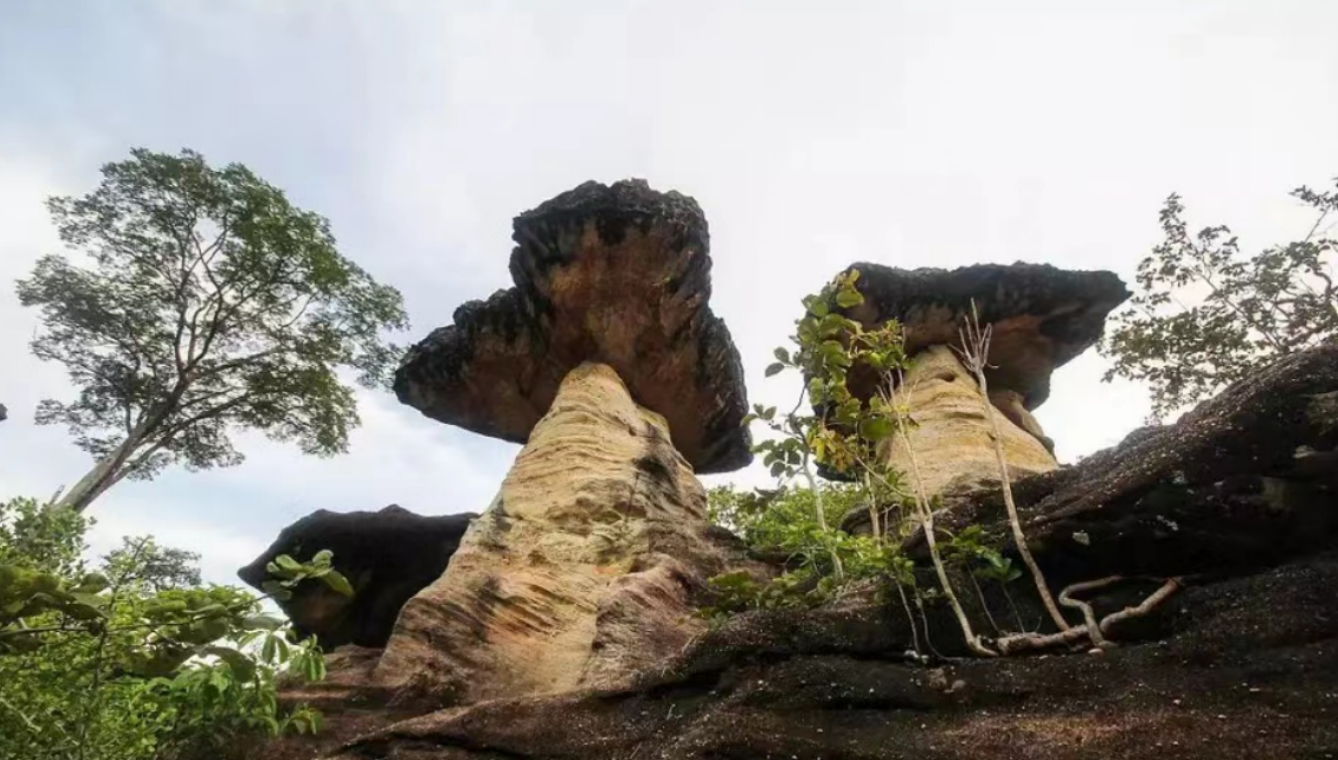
pixel 1243 668
pixel 582 572
pixel 1241 663
pixel 953 440
pixel 613 274
pixel 388 556
pixel 1042 316
pixel 1243 479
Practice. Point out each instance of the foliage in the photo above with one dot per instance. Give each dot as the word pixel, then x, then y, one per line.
pixel 136 660
pixel 1208 316
pixel 854 383
pixel 838 429
pixel 783 520
pixel 209 304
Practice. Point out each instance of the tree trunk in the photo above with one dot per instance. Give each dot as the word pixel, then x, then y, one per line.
pixel 104 474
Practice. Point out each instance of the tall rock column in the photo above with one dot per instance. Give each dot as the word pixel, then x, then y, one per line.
pixel 606 361
pixel 953 440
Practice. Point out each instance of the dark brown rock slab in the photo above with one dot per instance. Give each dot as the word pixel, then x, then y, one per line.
pixel 1243 480
pixel 1042 316
pixel 387 555
pixel 1247 668
pixel 612 274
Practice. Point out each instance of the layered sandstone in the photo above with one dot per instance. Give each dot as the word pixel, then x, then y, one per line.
pixel 953 440
pixel 580 573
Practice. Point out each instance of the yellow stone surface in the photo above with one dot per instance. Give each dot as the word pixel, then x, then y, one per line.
pixel 578 574
pixel 952 441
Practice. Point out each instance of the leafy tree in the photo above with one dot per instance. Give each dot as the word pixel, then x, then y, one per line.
pixel 209 304
pixel 136 661
pixel 1208 316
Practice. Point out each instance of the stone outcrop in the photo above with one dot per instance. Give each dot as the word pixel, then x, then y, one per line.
pixel 1238 497
pixel 1042 316
pixel 606 360
pixel 584 569
pixel 614 274
pixel 4 413
pixel 1039 318
pixel 953 440
pixel 1244 479
pixel 1244 668
pixel 388 556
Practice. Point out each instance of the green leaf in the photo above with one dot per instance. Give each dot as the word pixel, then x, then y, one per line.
pixel 848 298
pixel 287 563
pixel 262 622
pixel 336 580
pixel 774 369
pixel 243 667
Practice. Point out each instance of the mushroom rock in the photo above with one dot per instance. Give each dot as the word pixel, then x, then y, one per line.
pixel 388 556
pixel 1040 317
pixel 618 275
pixel 606 361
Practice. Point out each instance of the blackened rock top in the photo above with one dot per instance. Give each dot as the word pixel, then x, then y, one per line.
pixel 1042 316
pixel 618 275
pixel 387 555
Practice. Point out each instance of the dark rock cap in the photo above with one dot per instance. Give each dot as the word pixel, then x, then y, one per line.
pixel 388 556
pixel 1042 316
pixel 613 274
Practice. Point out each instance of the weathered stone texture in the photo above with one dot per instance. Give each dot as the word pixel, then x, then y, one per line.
pixel 618 275
pixel 952 440
pixel 580 572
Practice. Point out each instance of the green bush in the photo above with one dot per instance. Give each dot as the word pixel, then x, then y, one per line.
pixel 134 658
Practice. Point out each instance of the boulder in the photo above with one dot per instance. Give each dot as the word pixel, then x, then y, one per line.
pixel 388 556
pixel 1039 317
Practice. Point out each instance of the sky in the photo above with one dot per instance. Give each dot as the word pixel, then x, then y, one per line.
pixel 934 133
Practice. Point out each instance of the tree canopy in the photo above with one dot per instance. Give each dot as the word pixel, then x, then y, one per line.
pixel 202 302
pixel 1208 316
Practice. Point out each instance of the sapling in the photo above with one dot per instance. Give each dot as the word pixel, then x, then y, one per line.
pixel 974 351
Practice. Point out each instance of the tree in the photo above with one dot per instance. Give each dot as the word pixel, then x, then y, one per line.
pixel 139 660
pixel 211 304
pixel 1207 316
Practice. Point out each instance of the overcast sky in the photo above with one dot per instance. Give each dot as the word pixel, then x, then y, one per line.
pixel 813 134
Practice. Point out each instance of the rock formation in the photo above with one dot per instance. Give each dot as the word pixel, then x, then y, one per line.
pixel 1242 663
pixel 388 556
pixel 1040 317
pixel 618 275
pixel 605 359
pixel 4 413
pixel 1245 479
pixel 952 438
